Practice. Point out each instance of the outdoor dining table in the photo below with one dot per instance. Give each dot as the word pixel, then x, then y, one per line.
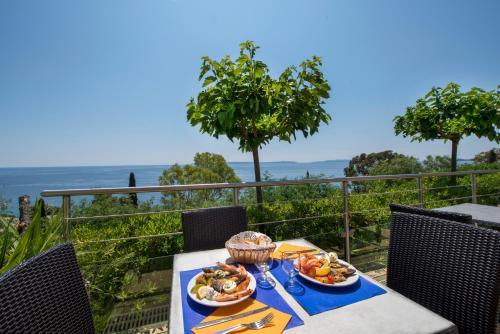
pixel 483 215
pixel 387 313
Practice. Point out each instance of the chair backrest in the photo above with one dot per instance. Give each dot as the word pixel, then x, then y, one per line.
pixel 45 294
pixel 453 216
pixel 450 268
pixel 211 228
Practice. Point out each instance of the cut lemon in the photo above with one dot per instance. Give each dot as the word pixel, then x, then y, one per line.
pixel 323 271
pixel 202 292
pixel 195 288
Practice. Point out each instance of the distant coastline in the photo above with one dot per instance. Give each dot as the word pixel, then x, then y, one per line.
pixel 229 162
pixel 170 164
pixel 17 181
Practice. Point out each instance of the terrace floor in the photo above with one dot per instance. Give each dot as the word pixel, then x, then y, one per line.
pixel 380 275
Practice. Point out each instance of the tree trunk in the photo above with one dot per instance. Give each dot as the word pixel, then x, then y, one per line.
pixel 256 167
pixel 454 146
pixel 24 213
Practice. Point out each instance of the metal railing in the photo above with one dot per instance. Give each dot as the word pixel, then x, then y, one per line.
pixel 236 188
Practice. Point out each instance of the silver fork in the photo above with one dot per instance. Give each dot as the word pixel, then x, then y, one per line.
pixel 252 325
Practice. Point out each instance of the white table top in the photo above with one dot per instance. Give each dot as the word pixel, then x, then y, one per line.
pixel 389 313
pixel 482 214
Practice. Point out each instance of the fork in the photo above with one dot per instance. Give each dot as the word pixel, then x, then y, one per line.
pixel 251 325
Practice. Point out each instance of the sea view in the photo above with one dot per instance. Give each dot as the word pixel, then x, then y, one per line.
pixel 317 167
pixel 31 181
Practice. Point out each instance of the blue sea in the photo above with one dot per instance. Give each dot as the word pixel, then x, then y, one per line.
pixel 31 181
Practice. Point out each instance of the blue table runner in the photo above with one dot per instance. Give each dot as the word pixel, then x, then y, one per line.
pixel 194 313
pixel 316 298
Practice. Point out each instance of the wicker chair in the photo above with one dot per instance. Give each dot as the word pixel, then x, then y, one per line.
pixel 456 217
pixel 450 268
pixel 45 294
pixel 210 228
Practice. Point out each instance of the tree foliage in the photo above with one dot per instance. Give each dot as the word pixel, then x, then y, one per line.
pixel 438 163
pixel 398 165
pixel 131 183
pixel 360 164
pixel 207 168
pixel 450 115
pixel 490 156
pixel 241 101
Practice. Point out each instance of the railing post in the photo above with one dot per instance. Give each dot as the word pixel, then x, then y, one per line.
pixel 66 207
pixel 473 182
pixel 236 196
pixel 421 191
pixel 347 233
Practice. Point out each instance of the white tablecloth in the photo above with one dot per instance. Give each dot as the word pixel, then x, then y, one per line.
pixel 385 314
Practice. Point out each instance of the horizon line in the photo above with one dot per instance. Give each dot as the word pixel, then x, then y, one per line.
pixel 170 164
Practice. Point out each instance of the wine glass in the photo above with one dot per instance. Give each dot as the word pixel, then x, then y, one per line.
pixel 263 280
pixel 287 264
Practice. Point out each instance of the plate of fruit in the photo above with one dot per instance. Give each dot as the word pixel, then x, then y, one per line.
pixel 326 270
pixel 221 285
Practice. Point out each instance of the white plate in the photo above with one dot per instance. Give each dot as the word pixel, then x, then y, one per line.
pixel 213 303
pixel 349 281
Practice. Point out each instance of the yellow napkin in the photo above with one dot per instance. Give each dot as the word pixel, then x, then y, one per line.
pixel 277 325
pixel 286 247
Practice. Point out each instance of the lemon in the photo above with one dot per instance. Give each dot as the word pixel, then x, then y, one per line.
pixel 323 271
pixel 195 288
pixel 202 292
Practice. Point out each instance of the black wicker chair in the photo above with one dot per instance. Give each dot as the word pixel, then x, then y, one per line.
pixel 456 217
pixel 450 268
pixel 210 228
pixel 45 294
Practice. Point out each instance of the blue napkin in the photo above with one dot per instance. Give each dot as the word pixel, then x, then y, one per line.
pixel 193 313
pixel 316 298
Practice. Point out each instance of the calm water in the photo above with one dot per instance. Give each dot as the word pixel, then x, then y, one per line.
pixel 15 182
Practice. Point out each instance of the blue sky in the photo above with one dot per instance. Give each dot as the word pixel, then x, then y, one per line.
pixel 106 82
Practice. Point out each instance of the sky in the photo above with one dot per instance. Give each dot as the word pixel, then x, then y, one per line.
pixel 96 82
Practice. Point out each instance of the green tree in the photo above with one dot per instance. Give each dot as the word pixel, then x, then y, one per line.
pixel 438 163
pixel 241 101
pixel 398 165
pixel 360 164
pixel 131 183
pixel 207 168
pixel 450 115
pixel 490 156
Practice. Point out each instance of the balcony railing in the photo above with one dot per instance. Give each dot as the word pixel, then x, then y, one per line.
pixel 342 182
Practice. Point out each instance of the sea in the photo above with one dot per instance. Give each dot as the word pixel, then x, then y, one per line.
pixel 15 182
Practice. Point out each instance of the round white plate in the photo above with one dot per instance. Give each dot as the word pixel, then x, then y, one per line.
pixel 213 303
pixel 349 281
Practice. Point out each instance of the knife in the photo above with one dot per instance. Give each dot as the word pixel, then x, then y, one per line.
pixel 302 251
pixel 236 316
